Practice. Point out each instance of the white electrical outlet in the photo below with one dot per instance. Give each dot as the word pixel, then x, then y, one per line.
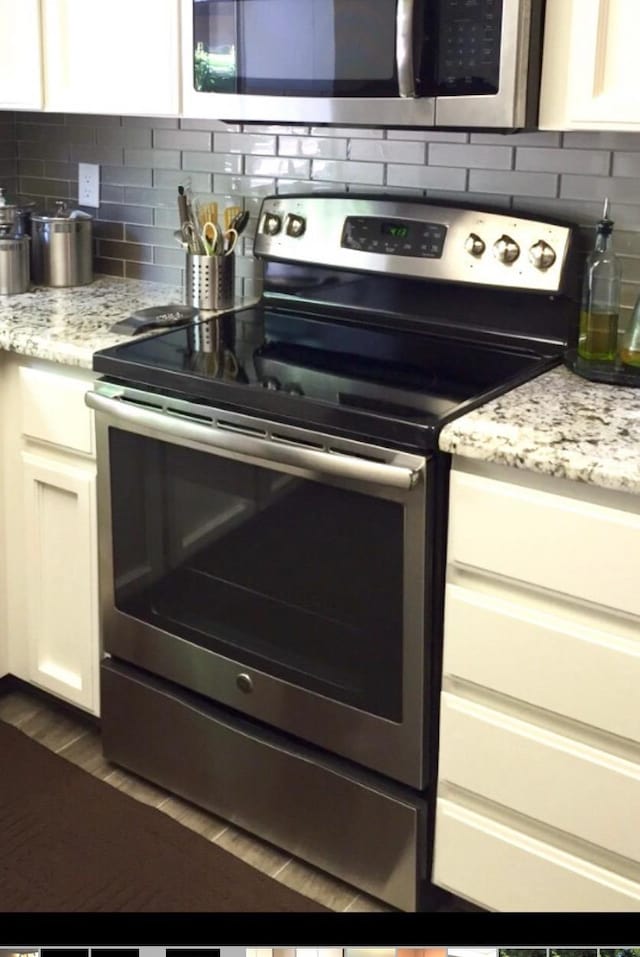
pixel 88 184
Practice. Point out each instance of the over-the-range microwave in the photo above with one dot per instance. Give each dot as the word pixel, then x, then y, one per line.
pixel 396 63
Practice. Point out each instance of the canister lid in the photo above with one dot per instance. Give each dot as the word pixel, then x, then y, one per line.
pixel 62 214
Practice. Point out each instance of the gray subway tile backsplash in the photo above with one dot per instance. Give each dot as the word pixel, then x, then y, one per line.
pixel 144 159
pixel 471 156
pixel 535 159
pixel 386 151
pixel 427 177
pixel 319 147
pixel 506 181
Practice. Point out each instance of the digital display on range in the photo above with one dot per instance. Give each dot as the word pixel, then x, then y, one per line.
pixel 392 237
pixel 399 230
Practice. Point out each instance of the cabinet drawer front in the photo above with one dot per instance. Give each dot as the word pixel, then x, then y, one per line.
pixel 53 409
pixel 579 789
pixel 505 870
pixel 577 548
pixel 583 673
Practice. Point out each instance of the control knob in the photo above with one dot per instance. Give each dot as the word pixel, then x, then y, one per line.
pixel 271 224
pixel 542 255
pixel 296 226
pixel 506 249
pixel 474 245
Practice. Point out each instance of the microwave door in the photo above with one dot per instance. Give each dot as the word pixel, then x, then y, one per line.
pixel 510 63
pixel 337 72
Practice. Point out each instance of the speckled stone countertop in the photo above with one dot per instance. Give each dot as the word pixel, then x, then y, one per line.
pixel 69 325
pixel 558 424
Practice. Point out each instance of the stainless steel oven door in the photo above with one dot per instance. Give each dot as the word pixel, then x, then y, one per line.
pixel 276 570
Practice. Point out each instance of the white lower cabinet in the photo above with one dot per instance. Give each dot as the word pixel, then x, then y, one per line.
pixel 538 796
pixel 50 541
pixel 61 554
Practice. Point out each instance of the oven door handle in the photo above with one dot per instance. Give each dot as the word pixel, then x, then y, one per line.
pixel 268 450
pixel 404 48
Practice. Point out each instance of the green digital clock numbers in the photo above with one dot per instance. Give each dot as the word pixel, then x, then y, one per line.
pixel 397 230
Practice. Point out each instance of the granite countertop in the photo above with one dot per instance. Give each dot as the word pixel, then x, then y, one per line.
pixel 558 424
pixel 68 325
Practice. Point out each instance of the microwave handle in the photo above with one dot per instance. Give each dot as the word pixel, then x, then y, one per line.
pixel 237 443
pixel 404 47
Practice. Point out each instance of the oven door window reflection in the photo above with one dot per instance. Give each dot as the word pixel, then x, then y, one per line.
pixel 300 579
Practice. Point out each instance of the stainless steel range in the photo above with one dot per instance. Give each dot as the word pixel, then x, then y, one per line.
pixel 272 519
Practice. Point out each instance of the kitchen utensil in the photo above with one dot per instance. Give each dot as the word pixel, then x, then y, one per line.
pixel 14 265
pixel 183 208
pixel 211 239
pixel 239 222
pixel 229 241
pixel 206 210
pixel 231 213
pixel 61 247
pixel 191 238
pixel 155 317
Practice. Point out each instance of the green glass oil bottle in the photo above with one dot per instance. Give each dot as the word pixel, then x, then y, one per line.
pixel 598 335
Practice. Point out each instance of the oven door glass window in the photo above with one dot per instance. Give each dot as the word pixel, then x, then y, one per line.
pixel 296 578
pixel 295 47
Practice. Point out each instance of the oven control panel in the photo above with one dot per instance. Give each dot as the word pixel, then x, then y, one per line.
pixel 414 239
pixel 395 237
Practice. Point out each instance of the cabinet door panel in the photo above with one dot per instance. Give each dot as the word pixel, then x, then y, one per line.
pixel 504 870
pixel 116 57
pixel 589 76
pixel 20 55
pixel 563 544
pixel 61 554
pixel 588 674
pixel 578 789
pixel 53 409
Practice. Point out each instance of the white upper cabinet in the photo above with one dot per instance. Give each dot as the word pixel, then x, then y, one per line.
pixel 589 69
pixel 119 57
pixel 20 55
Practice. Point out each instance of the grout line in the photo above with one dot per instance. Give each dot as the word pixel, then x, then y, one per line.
pixel 68 744
pixel 280 869
pixel 350 904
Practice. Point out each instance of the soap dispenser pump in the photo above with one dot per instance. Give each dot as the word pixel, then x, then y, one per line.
pixel 598 335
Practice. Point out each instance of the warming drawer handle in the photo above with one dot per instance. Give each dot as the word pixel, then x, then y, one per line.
pixel 316 462
pixel 404 48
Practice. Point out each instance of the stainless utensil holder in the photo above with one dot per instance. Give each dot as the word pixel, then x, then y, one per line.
pixel 210 281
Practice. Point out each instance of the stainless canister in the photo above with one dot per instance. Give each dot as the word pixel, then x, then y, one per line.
pixel 62 247
pixel 210 281
pixel 14 265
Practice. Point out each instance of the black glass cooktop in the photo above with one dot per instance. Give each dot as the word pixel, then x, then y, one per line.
pixel 372 379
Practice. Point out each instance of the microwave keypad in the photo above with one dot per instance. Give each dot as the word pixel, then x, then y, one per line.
pixel 392 237
pixel 469 46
